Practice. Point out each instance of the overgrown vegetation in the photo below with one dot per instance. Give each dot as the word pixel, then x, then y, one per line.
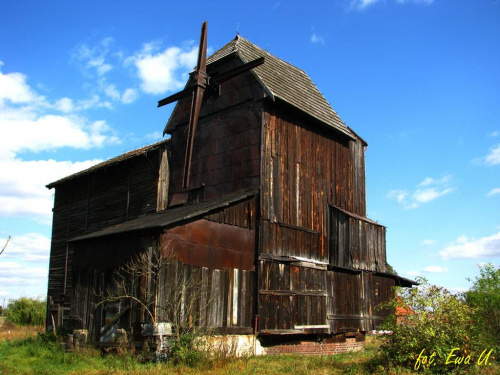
pixel 484 298
pixel 164 290
pixel 26 311
pixel 436 331
pixel 44 354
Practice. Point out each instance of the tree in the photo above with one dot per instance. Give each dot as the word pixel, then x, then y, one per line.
pixel 484 298
pixel 26 311
pixel 437 323
pixel 163 289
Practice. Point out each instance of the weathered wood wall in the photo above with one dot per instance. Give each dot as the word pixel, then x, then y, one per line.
pixel 226 150
pixel 305 169
pixel 107 196
pixel 220 299
pixel 353 297
pixel 313 220
pixel 212 258
pixel 290 297
pixel 356 242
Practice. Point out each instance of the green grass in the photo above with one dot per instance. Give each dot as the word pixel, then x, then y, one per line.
pixel 44 355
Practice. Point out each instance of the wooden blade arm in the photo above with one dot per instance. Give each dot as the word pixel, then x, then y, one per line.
pixel 193 122
pixel 180 95
pixel 217 80
pixel 202 51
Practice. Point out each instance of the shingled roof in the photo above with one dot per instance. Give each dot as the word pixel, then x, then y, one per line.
pixel 170 216
pixel 112 161
pixel 285 82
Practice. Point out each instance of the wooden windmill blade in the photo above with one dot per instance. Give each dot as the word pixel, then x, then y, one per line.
pixel 223 77
pixel 200 75
pixel 199 82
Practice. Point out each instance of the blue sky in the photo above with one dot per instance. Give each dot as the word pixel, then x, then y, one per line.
pixel 418 79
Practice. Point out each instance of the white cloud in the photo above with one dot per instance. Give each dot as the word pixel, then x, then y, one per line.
pixel 29 123
pixel 398 195
pixel 428 181
pixel 495 133
pixel 24 266
pixel 48 132
pixel 14 89
pixel 363 4
pixel 129 96
pixel 418 2
pixel 426 191
pixel 427 195
pixel 22 189
pixel 112 92
pixel 493 157
pixel 65 105
pixel 492 192
pixel 315 38
pixel 162 71
pixel 469 248
pixel 93 59
pixel 435 269
pixel 428 242
pixel 27 247
pixel 157 135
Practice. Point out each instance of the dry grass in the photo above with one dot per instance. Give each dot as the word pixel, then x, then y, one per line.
pixel 9 331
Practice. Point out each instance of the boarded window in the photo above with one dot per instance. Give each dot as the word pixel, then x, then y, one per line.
pixel 163 177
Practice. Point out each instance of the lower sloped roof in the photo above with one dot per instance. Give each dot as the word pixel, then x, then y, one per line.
pixel 170 216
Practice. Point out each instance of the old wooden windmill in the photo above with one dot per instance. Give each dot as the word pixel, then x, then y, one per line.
pixel 264 189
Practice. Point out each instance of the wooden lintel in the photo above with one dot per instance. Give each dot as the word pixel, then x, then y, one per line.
pixel 315 293
pixel 316 266
pixel 296 227
pixel 281 331
pixel 320 326
pixel 357 317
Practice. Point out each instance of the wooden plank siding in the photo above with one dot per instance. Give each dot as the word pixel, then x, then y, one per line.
pixel 226 149
pixel 94 201
pixel 290 296
pixel 356 243
pixel 306 174
pixel 353 297
pixel 304 170
pixel 215 253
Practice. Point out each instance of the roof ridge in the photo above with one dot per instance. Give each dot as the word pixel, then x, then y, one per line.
pixel 271 54
pixel 125 156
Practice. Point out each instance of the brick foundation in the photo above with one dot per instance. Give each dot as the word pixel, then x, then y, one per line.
pixel 316 348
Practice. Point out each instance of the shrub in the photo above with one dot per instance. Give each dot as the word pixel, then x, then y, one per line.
pixel 434 325
pixel 484 298
pixel 26 311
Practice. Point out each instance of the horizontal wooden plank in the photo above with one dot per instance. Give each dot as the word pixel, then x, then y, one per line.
pixel 316 293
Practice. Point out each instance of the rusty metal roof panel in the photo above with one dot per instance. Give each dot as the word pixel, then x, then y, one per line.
pixel 109 162
pixel 285 81
pixel 170 216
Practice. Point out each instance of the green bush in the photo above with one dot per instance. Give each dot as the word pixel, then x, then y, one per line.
pixel 433 332
pixel 484 298
pixel 184 351
pixel 26 311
